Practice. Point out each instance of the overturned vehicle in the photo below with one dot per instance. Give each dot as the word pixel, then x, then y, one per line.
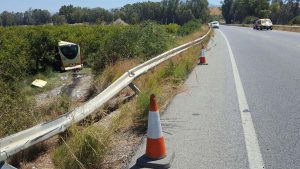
pixel 70 57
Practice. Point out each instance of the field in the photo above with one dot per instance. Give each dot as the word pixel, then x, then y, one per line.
pixel 31 52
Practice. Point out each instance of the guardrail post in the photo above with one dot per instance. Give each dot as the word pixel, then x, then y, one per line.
pixel 6 166
pixel 134 88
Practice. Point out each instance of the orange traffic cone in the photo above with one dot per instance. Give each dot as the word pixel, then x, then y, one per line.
pixel 156 148
pixel 156 156
pixel 202 59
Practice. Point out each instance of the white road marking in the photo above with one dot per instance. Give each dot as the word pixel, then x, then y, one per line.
pixel 255 159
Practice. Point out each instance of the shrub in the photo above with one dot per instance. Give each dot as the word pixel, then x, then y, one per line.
pixel 84 150
pixel 189 27
pixel 15 109
pixel 34 48
pixel 249 20
pixel 295 20
pixel 143 105
pixel 153 40
pixel 172 28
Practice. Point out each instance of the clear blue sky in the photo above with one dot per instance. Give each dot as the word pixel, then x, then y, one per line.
pixel 54 5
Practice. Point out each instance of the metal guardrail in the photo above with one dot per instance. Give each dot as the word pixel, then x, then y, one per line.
pixel 41 132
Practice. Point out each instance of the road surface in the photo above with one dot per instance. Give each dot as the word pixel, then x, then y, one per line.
pixel 242 110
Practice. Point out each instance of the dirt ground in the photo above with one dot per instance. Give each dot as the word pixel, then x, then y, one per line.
pixel 75 85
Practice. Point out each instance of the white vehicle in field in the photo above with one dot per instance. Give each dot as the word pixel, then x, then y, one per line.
pixel 70 58
pixel 215 24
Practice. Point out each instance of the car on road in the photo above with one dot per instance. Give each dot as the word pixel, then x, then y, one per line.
pixel 215 24
pixel 261 24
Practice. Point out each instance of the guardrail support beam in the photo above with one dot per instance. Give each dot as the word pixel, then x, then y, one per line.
pixel 134 88
pixel 6 166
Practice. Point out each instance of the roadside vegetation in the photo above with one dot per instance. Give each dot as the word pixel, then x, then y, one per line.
pixel 92 146
pixel 30 52
pixel 246 11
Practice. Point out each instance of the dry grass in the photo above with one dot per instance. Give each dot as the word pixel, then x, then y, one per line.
pixel 215 11
pixel 112 73
pixel 193 36
pixel 287 28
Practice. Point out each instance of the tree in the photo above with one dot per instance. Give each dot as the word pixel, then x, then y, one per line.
pixel 275 10
pixel 184 14
pixel 227 10
pixel 199 9
pixel 169 8
pixel 67 12
pixel 42 48
pixel 287 11
pixel 165 12
pixel 41 17
pixel 98 15
pixel 238 10
pixel 7 18
pixel 19 18
pixel 28 18
pixel 59 19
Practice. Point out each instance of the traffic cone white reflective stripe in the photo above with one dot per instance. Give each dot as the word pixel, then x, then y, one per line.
pixel 156 148
pixel 154 128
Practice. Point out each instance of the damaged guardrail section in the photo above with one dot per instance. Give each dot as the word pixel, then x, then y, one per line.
pixel 24 139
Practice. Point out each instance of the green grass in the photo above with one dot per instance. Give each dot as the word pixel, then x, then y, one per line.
pixel 52 78
pixel 85 149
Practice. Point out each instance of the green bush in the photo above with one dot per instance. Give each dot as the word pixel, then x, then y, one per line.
pixel 190 27
pixel 15 109
pixel 172 28
pixel 30 50
pixel 168 70
pixel 295 20
pixel 153 40
pixel 249 20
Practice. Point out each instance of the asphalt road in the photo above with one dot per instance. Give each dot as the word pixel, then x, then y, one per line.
pixel 205 124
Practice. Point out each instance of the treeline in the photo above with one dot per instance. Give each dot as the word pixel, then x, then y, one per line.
pixel 164 12
pixel 30 17
pixel 245 11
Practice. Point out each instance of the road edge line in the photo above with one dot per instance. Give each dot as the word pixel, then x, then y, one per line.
pixel 255 159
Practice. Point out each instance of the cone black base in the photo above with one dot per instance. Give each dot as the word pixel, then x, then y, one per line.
pixel 166 162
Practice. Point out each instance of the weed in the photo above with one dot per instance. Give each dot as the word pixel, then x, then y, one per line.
pixel 84 150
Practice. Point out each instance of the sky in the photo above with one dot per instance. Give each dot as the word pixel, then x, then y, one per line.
pixel 54 5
